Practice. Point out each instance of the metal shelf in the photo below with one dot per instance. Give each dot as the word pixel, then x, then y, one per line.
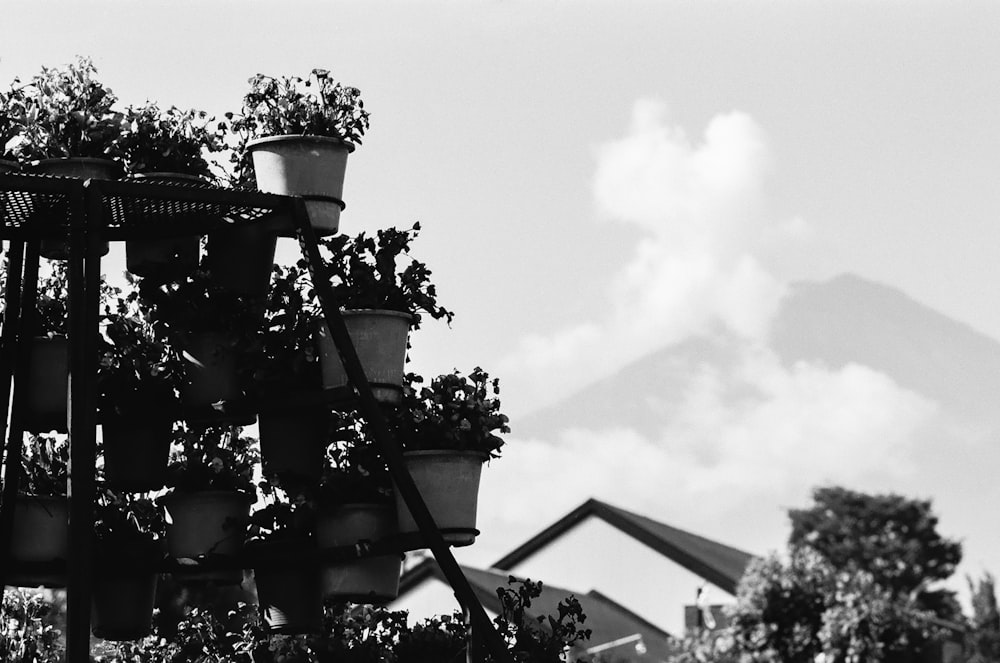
pixel 88 212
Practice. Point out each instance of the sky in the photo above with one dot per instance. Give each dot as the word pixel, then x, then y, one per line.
pixel 596 180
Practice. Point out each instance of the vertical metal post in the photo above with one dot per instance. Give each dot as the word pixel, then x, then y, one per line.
pixel 388 446
pixel 84 302
pixel 14 325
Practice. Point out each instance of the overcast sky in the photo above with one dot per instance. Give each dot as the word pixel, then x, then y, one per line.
pixel 599 179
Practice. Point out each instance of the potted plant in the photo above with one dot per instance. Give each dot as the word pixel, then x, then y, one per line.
pixel 383 296
pixel 294 136
pixel 41 512
pixel 288 592
pixel 168 147
pixel 129 533
pixel 210 475
pixel 71 130
pixel 354 505
pixel 448 430
pixel 47 382
pixel 293 421
pixel 136 379
pixel 212 331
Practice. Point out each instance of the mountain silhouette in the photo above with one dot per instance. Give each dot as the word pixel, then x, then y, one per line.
pixel 845 320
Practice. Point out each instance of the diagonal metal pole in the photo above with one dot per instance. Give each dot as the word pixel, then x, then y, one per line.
pixel 389 447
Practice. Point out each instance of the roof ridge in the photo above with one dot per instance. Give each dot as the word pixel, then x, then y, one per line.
pixel 719 563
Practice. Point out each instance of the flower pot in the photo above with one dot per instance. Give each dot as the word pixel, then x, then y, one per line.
pixel 449 483
pixel 124 592
pixel 210 369
pixel 40 534
pixel 136 449
pixel 240 259
pixel 9 166
pixel 207 523
pixel 379 337
pixel 288 596
pixel 47 384
pixel 166 258
pixel 304 166
pixel 83 168
pixel 292 441
pixel 368 580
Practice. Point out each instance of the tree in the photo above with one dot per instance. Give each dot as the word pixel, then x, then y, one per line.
pixel 983 639
pixel 892 537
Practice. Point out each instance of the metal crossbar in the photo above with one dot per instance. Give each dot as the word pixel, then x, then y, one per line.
pixel 89 212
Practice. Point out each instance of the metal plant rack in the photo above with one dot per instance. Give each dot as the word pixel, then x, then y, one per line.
pixel 88 212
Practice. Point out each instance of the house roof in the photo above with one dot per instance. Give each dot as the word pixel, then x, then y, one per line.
pixel 720 564
pixel 607 620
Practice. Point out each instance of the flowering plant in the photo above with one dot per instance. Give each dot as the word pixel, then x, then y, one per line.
pixel 286 356
pixel 364 273
pixel 171 140
pixel 45 465
pixel 212 458
pixel 354 471
pixel 454 412
pixel 124 517
pixel 12 119
pixel 134 364
pixel 68 112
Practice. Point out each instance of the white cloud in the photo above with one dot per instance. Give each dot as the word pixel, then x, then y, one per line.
pixel 692 271
pixel 762 434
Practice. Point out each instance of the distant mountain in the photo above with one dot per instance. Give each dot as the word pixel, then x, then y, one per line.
pixel 849 319
pixel 845 320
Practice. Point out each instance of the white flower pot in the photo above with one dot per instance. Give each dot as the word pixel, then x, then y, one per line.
pixel 304 166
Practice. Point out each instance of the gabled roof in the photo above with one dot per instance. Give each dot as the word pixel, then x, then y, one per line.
pixel 717 563
pixel 607 620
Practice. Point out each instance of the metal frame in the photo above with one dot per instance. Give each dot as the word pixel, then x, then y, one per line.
pixel 96 210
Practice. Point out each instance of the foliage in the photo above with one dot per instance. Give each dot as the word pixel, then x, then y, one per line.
pixel 194 304
pixel 354 471
pixel 871 623
pixel 983 637
pixel 12 119
pixel 28 630
pixel 780 606
pixel 52 302
pixel 126 517
pixel 68 112
pixel 45 464
pixel 287 356
pixel 541 639
pixel 893 537
pixel 442 638
pixel 212 458
pixel 134 365
pixel 365 274
pixel 317 105
pixel 704 646
pixel 285 515
pixel 171 140
pixel 796 610
pixel 454 412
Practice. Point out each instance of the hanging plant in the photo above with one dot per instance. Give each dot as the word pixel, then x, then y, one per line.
pixel 379 273
pixel 454 412
pixel 212 458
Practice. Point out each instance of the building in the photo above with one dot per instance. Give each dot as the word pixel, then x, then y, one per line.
pixel 637 579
